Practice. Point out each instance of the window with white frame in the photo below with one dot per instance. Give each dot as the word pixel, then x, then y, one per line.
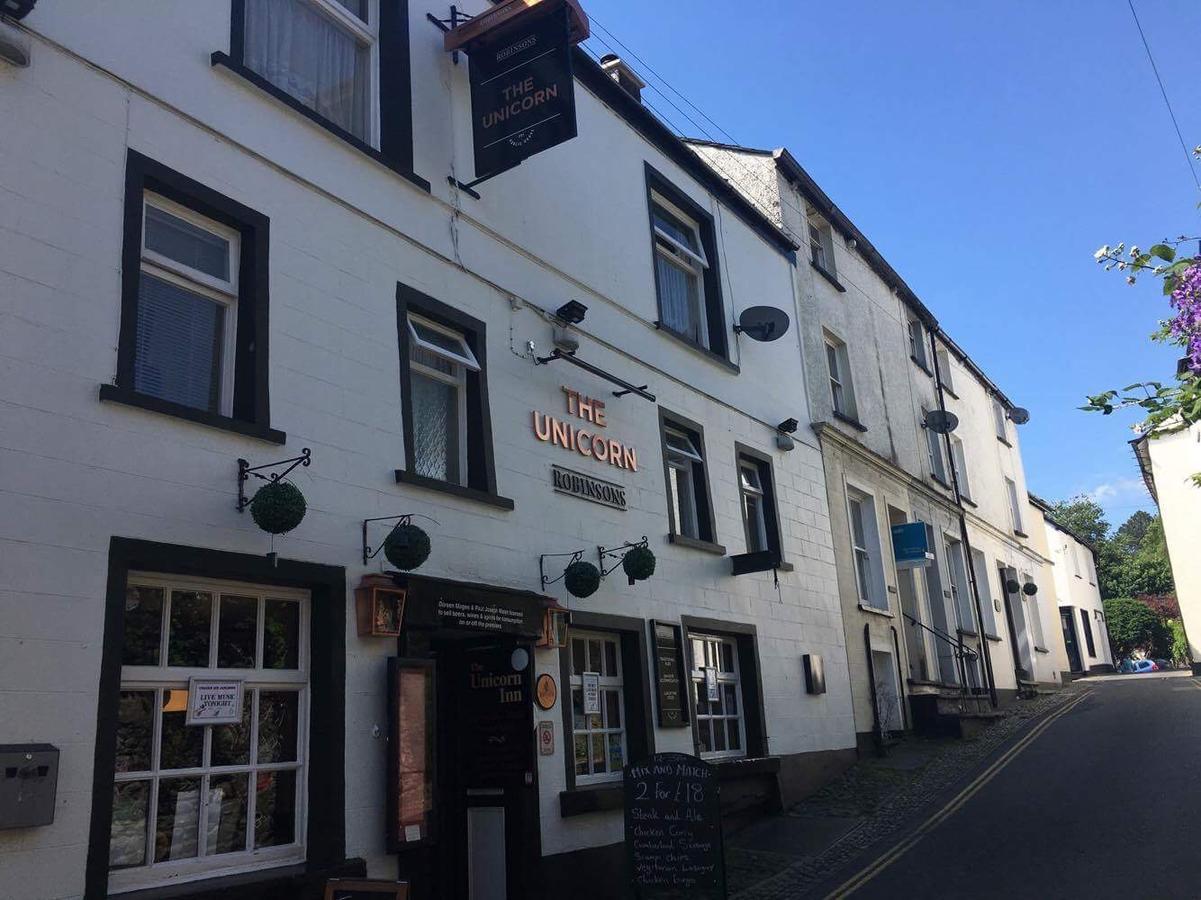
pixel 821 244
pixel 1091 564
pixel 597 707
pixel 960 589
pixel 187 308
pixel 959 461
pixel 680 264
pixel 439 360
pixel 865 549
pixel 987 611
pixel 1074 549
pixel 717 696
pixel 1035 615
pixel 842 391
pixel 934 451
pixel 945 376
pixel 192 801
pixel 1015 509
pixel 917 344
pixel 754 513
pixel 686 487
pixel 322 53
pixel 998 414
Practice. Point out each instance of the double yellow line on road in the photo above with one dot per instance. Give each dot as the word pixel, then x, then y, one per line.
pixel 866 874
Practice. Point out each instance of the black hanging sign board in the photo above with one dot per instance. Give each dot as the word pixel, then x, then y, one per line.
pixel 673 828
pixel 670 686
pixel 522 93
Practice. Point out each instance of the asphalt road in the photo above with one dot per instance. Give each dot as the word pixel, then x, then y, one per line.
pixel 1104 803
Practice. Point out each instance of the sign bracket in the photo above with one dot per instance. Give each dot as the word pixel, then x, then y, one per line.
pixel 576 556
pixel 445 25
pixel 626 387
pixel 469 187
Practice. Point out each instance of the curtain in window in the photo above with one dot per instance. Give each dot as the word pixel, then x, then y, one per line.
pixel 678 291
pixel 177 354
pixel 303 52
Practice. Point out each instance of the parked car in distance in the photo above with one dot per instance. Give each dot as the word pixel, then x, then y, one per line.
pixel 1144 665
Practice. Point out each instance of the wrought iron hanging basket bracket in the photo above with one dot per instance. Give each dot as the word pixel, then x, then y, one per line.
pixel 245 470
pixel 576 556
pixel 617 552
pixel 397 522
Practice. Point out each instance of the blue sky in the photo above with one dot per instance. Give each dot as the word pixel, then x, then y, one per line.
pixel 987 150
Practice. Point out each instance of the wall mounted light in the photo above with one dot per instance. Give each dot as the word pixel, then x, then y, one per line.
pixel 572 312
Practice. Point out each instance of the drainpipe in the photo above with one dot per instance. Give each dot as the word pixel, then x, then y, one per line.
pixel 967 544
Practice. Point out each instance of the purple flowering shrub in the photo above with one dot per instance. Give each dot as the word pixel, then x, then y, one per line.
pixel 1185 327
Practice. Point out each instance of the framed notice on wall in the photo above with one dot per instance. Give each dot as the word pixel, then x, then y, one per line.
pixel 669 668
pixel 410 752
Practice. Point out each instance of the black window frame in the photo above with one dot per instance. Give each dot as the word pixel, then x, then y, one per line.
pixel 715 316
pixel 395 109
pixel 251 403
pixel 705 514
pixel 750 682
pixel 481 464
pixel 631 633
pixel 1088 633
pixel 325 851
pixel 771 504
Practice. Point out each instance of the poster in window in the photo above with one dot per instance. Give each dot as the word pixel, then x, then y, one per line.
pixel 592 706
pixel 410 751
pixel 711 689
pixel 214 701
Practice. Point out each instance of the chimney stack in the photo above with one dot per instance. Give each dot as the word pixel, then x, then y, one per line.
pixel 626 77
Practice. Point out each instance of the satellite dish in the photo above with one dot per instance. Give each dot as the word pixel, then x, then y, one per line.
pixel 1019 416
pixel 941 422
pixel 762 323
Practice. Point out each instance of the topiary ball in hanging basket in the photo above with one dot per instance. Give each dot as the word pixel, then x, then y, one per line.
pixel 581 579
pixel 407 547
pixel 278 507
pixel 639 564
pixel 1029 588
pixel 1012 586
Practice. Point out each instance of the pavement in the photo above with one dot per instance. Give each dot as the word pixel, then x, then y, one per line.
pixel 1084 793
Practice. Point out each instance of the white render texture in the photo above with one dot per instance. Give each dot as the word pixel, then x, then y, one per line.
pixel 109 77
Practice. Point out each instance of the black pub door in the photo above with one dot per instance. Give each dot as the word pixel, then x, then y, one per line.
pixel 487 784
pixel 1069 639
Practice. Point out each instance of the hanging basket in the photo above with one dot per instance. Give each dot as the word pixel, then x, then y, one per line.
pixel 1029 588
pixel 407 547
pixel 278 507
pixel 581 579
pixel 1012 586
pixel 639 564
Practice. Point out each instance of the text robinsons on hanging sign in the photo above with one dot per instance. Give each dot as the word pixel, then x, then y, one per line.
pixel 582 439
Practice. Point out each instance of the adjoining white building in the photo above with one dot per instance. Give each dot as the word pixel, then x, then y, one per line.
pixel 1168 463
pixel 880 370
pixel 227 233
pixel 1084 639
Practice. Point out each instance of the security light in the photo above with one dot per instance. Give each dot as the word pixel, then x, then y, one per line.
pixel 17 9
pixel 572 312
pixel 788 426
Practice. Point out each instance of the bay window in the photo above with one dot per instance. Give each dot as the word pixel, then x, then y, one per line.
pixel 196 800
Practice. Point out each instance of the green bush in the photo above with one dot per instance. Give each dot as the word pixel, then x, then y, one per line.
pixel 1180 651
pixel 1132 626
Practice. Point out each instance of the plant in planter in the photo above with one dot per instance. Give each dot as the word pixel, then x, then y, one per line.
pixel 278 507
pixel 407 547
pixel 638 564
pixel 581 579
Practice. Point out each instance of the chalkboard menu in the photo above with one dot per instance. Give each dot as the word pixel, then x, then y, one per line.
pixel 669 681
pixel 673 828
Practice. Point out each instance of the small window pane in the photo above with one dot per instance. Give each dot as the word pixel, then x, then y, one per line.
pixel 616 754
pixel 435 429
pixel 704 731
pixel 594 655
pixel 612 709
pixel 434 361
pixel 698 653
pixel 452 343
pixel 598 754
pixel 188 642
pixel 577 709
pixel 680 231
pixel 281 635
pixel 181 746
pixel 127 843
pixel 735 739
pixel 611 658
pixel 581 754
pixel 143 626
pixel 702 698
pixel 278 721
pixel 579 661
pixel 177 345
pixel 357 7
pixel 237 632
pixel 231 743
pixel 226 832
pixel 178 818
pixel 275 809
pixel 135 731
pixel 186 243
pixel 719 735
pixel 730 693
pixel 727 657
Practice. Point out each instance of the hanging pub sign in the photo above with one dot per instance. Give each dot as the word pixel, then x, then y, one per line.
pixel 910 546
pixel 522 87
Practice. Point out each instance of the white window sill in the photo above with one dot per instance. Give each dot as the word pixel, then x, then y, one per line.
pixel 875 610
